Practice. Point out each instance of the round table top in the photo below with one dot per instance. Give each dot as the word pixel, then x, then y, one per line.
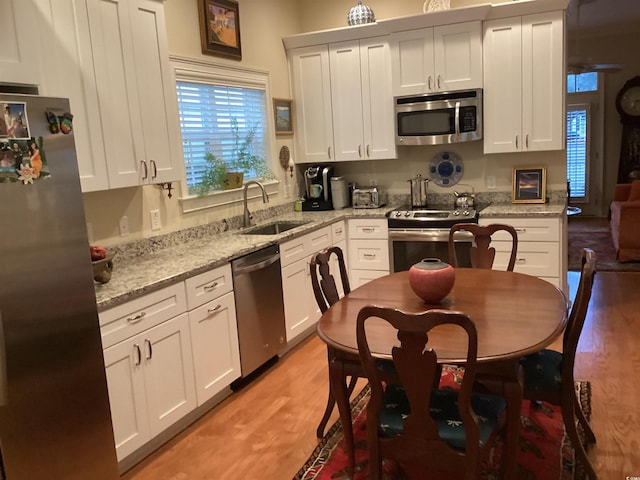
pixel 514 314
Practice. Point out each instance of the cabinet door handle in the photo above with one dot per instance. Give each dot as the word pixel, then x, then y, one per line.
pixel 521 230
pixel 429 82
pixel 368 154
pixel 438 82
pixel 360 151
pixel 516 142
pixel 369 255
pixel 146 171
pixel 211 286
pixel 136 318
pixel 138 353
pixel 368 230
pixel 329 152
pixel 149 348
pixel 154 168
pixel 214 309
pixel 526 141
pixel 339 232
pixel 520 261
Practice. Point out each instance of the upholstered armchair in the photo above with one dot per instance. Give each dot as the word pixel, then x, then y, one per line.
pixel 625 221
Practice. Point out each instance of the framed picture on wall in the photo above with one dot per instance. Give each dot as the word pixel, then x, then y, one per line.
pixel 529 184
pixel 283 116
pixel 220 28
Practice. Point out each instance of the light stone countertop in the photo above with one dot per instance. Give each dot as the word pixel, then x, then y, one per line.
pixel 153 263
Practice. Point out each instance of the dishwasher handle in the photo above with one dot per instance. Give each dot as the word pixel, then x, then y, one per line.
pixel 3 366
pixel 252 267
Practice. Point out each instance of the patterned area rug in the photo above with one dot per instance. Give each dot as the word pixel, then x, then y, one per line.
pixel 545 452
pixel 584 234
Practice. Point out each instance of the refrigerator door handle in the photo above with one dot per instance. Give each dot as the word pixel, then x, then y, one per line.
pixel 3 366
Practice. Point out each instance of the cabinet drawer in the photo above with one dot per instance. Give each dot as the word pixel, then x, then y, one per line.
pixel 368 228
pixel 540 259
pixel 304 246
pixel 358 278
pixel 124 321
pixel 338 232
pixel 207 286
pixel 369 254
pixel 529 229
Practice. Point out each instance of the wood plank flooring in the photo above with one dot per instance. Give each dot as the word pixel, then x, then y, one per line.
pixel 267 430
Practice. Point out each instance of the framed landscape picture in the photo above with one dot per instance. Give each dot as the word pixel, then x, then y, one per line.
pixel 529 184
pixel 220 28
pixel 283 113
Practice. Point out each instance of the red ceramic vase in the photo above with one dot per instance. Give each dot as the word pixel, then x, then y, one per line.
pixel 431 279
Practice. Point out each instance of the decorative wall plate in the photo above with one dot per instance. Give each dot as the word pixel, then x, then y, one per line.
pixel 446 169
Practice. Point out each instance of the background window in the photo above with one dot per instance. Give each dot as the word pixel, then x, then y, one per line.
pixel 577 149
pixel 213 118
pixel 582 82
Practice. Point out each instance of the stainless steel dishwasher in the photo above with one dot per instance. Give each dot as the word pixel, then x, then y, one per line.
pixel 257 284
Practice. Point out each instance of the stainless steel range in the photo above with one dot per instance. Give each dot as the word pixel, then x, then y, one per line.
pixel 420 233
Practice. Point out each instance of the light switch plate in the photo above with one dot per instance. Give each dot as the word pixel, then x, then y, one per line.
pixel 124 226
pixel 491 182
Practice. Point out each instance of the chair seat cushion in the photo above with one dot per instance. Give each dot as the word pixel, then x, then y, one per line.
pixel 444 410
pixel 542 370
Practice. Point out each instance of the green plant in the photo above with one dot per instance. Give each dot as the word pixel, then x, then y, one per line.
pixel 242 159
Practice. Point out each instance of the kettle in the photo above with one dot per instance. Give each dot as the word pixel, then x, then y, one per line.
pixel 465 199
pixel 418 191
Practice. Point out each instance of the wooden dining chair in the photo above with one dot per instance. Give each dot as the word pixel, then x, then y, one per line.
pixel 548 375
pixel 326 293
pixel 410 421
pixel 482 254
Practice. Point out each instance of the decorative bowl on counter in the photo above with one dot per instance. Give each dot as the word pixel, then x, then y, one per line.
pixel 102 269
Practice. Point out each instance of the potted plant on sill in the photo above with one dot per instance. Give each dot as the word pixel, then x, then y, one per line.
pixel 227 175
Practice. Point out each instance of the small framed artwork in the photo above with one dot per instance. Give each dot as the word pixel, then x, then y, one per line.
pixel 529 184
pixel 220 28
pixel 283 116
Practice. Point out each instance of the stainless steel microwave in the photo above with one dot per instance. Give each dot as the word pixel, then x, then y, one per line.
pixel 438 118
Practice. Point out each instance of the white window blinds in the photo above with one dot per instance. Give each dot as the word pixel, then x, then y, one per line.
pixel 577 154
pixel 216 118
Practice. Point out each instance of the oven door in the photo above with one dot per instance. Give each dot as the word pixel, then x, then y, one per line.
pixel 407 246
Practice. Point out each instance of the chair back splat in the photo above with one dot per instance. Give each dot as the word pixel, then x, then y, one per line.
pixel 482 254
pixel 325 289
pixel 410 421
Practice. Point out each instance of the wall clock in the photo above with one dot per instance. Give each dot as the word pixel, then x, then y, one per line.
pixel 628 106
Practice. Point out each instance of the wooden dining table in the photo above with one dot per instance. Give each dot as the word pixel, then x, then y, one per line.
pixel 514 314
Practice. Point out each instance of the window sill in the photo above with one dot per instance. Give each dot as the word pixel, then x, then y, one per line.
pixel 226 198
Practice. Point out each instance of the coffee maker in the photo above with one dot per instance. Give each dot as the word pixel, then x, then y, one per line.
pixel 317 182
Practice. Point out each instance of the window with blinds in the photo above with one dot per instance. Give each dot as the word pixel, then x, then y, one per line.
pixel 577 154
pixel 219 119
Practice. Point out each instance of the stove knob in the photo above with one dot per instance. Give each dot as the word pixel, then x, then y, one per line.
pixel 407 214
pixel 465 213
pixel 456 212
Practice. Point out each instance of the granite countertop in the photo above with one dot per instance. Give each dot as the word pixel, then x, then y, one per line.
pixel 155 263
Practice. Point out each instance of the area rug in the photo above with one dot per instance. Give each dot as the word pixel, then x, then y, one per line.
pixel 545 452
pixel 584 235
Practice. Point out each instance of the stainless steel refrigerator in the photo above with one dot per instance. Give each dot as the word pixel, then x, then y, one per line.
pixel 55 422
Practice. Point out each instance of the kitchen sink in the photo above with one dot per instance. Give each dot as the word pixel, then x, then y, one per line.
pixel 273 228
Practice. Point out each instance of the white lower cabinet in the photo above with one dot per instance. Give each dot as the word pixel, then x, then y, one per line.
pixel 368 247
pixel 300 307
pixel 214 331
pixel 151 383
pixel 540 247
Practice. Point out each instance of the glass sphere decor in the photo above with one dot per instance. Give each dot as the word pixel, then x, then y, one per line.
pixel 360 14
pixel 431 279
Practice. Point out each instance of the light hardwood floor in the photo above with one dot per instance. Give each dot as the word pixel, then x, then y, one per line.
pixel 267 430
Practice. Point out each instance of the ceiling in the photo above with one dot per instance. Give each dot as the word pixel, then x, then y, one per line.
pixel 592 18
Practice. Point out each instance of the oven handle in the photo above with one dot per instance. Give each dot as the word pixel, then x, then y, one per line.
pixel 429 235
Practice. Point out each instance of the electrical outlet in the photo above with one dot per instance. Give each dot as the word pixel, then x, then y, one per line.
pixel 491 182
pixel 156 224
pixel 124 226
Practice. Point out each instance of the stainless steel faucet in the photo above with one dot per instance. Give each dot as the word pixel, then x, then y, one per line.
pixel 265 199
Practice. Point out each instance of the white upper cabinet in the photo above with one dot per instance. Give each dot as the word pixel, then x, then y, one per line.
pixel 312 95
pixel 19 49
pixel 344 105
pixel 362 103
pixel 524 83
pixel 437 59
pixel 110 58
